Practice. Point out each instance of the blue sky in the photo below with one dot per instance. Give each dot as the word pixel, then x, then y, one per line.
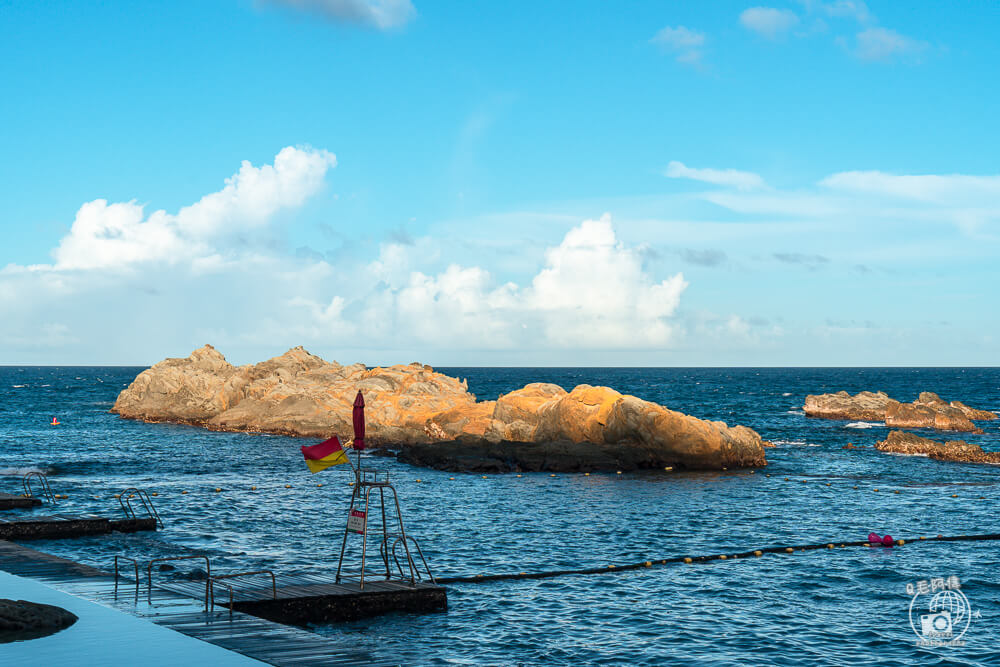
pixel 578 183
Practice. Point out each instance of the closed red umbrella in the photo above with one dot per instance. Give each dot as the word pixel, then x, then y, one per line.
pixel 359 422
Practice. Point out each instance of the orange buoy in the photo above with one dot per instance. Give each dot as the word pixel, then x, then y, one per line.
pixel 55 422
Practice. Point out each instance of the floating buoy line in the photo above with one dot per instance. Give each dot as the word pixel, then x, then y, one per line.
pixel 755 553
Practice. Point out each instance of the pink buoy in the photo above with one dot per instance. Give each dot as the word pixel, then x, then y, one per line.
pixel 874 538
pixel 887 541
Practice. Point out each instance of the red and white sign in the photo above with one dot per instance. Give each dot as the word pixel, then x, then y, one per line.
pixel 356 522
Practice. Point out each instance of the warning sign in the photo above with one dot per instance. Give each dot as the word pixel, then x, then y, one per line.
pixel 356 522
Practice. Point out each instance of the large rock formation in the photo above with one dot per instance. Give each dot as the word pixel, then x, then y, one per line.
pixel 21 620
pixel 415 409
pixel 901 442
pixel 928 411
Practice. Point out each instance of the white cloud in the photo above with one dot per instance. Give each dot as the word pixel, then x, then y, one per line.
pixel 883 45
pixel 850 9
pixel 685 43
pixel 381 14
pixel 741 180
pixel 591 293
pixel 768 22
pixel 117 235
pixel 949 188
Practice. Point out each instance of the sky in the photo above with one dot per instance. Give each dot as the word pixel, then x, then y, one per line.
pixel 802 183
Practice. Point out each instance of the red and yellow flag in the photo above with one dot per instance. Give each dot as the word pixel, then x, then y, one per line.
pixel 325 454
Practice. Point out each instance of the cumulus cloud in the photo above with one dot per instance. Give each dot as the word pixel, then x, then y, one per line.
pixel 380 14
pixel 117 235
pixel 741 180
pixel 687 44
pixel 884 45
pixel 187 280
pixel 768 22
pixel 591 292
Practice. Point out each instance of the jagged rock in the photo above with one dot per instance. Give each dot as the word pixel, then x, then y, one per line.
pixel 21 620
pixel 864 406
pixel 300 394
pixel 901 442
pixel 928 411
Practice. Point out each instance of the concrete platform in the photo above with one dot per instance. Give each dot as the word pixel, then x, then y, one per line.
pixel 62 526
pixel 9 501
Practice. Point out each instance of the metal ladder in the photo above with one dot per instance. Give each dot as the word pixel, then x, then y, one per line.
pixel 125 500
pixel 149 571
pixel 408 557
pixel 47 494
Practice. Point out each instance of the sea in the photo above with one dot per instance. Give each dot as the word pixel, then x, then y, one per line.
pixel 840 606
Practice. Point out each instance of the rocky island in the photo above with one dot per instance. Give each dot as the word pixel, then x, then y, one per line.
pixel 900 442
pixel 928 411
pixel 431 419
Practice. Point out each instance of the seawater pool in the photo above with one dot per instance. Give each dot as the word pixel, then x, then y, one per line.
pixel 834 607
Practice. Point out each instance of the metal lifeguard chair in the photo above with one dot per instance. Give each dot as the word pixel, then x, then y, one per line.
pixel 386 526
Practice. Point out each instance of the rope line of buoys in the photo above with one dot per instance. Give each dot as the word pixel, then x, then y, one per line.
pixel 756 553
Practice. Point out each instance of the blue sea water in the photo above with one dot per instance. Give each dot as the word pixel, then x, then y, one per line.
pixel 840 606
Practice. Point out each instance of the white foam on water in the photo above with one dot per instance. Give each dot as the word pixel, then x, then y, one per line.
pixel 797 443
pixel 21 472
pixel 795 412
pixel 787 393
pixel 862 425
pixel 19 386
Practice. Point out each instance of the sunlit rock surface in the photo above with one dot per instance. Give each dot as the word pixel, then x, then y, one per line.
pixel 928 411
pixel 901 442
pixel 432 418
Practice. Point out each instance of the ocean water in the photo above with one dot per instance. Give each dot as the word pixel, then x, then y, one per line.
pixel 841 606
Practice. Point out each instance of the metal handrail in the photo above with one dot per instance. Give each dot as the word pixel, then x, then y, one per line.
pixel 216 580
pixel 413 568
pixel 133 561
pixel 125 501
pixel 46 489
pixel 208 571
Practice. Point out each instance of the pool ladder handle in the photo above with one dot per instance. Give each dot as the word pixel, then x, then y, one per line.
pixel 26 482
pixel 210 600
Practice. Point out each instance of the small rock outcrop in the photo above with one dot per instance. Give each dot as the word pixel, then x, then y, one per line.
pixel 901 442
pixel 413 406
pixel 928 411
pixel 21 620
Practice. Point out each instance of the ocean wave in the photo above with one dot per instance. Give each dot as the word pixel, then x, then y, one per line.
pixel 795 412
pixel 797 443
pixel 787 393
pixel 19 386
pixel 21 472
pixel 862 425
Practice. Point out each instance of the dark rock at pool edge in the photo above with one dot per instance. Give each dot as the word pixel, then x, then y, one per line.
pixel 21 620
